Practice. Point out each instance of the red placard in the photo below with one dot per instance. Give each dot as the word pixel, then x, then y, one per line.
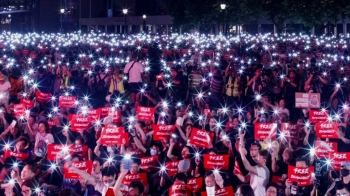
pixel 19 110
pixel 20 156
pixel 55 149
pixel 116 115
pixel 337 158
pixel 318 116
pixel 67 101
pixel 290 130
pixel 326 130
pixel 322 148
pixel 149 163
pixel 113 135
pixel 82 151
pixel 142 177
pixel 145 113
pixel 301 175
pixel 196 184
pixel 263 131
pixel 82 165
pixel 43 97
pixel 237 169
pixel 94 114
pixel 79 122
pixel 201 138
pixel 180 189
pixel 221 192
pixel 105 111
pixel 171 167
pixel 277 179
pixel 161 132
pixel 27 102
pixel 216 161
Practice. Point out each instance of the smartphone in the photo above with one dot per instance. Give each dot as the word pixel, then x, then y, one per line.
pixel 127 164
pixel 294 188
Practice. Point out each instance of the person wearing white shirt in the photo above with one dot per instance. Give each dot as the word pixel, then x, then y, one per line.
pixel 134 69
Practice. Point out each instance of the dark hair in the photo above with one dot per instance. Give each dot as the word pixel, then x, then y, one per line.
pixel 81 139
pixel 246 190
pixel 32 167
pixel 76 156
pixel 299 159
pixel 214 150
pixel 273 185
pixel 108 171
pixel 23 139
pixel 137 184
pixel 257 144
pixel 136 160
pixel 341 186
pixel 342 129
pixel 47 126
pixel 32 184
pixel 181 177
pixel 99 160
pixel 264 153
pixel 67 192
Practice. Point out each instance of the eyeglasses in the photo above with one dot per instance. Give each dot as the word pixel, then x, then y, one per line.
pixel 271 192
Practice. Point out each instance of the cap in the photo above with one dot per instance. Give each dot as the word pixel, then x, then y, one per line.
pixel 184 165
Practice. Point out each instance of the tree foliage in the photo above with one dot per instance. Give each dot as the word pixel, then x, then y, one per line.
pixel 203 14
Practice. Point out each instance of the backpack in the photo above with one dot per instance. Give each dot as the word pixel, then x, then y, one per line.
pixel 101 84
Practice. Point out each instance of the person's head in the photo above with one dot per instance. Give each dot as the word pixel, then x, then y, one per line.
pixel 262 157
pixel 244 190
pixel 156 148
pixel 180 178
pixel 57 120
pixel 135 166
pixel 15 130
pixel 342 190
pixel 301 162
pixel 254 150
pixel 257 72
pixel 248 115
pixel 185 153
pixel 43 127
pixel 292 74
pixel 2 78
pixel 335 102
pixel 97 165
pixel 28 188
pixel 345 170
pixel 209 179
pixel 28 172
pixel 31 119
pixel 108 176
pixel 287 155
pixel 79 141
pixel 136 188
pixel 272 189
pixel 21 144
pixel 188 128
pixel 173 72
pixel 212 122
pixel 134 57
pixel 282 103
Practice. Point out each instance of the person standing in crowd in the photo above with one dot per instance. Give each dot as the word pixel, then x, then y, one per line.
pixel 134 71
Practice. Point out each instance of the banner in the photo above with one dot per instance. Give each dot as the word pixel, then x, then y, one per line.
pixel 263 131
pixel 307 100
pixel 149 163
pixel 221 192
pixel 290 130
pixel 82 165
pixel 94 114
pixel 56 149
pixel 278 180
pixel 161 132
pixel 318 116
pixel 114 135
pixel 196 184
pixel 337 158
pixel 20 156
pixel 42 97
pixel 105 111
pixel 19 110
pixel 171 167
pixel 180 189
pixel 220 162
pixel 323 148
pixel 201 138
pixel 301 175
pixel 145 113
pixel 82 151
pixel 67 101
pixel 27 102
pixel 142 177
pixel 326 130
pixel 79 122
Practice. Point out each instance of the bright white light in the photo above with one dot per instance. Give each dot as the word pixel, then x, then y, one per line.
pixel 337 85
pixel 312 151
pixel 257 97
pixel 163 168
pixel 328 162
pixel 125 11
pixel 7 146
pixel 131 118
pixel 127 156
pixel 53 166
pixel 110 159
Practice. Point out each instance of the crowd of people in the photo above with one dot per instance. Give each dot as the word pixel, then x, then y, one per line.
pixel 103 114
